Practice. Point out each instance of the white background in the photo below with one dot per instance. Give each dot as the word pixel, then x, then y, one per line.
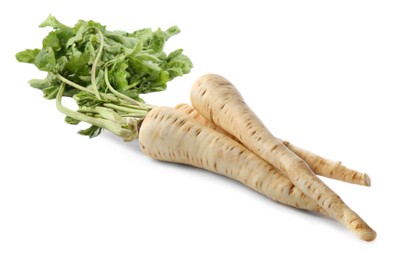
pixel 326 75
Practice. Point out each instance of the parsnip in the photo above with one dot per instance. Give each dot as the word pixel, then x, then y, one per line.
pixel 329 168
pixel 105 77
pixel 171 135
pixel 218 100
pixel 320 165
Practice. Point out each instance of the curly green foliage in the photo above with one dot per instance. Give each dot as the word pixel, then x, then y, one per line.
pixel 104 69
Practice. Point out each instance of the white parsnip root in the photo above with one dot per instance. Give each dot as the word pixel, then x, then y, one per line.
pixel 171 135
pixel 329 168
pixel 219 101
pixel 320 165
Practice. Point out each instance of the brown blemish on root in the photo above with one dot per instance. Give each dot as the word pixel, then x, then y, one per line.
pixel 292 189
pixel 273 148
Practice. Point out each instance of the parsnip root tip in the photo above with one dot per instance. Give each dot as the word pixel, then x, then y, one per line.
pixel 367 180
pixel 368 236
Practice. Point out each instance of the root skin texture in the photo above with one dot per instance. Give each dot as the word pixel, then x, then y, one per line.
pixel 329 168
pixel 171 135
pixel 320 165
pixel 219 101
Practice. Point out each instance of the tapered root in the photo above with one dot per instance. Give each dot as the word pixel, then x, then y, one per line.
pixel 320 165
pixel 329 168
pixel 171 135
pixel 219 101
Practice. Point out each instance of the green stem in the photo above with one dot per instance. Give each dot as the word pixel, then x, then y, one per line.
pixel 141 106
pixel 86 110
pixel 106 96
pixel 72 84
pixel 94 66
pixel 115 127
pixel 138 112
pixel 69 112
pixel 134 84
pixel 130 100
pixel 118 94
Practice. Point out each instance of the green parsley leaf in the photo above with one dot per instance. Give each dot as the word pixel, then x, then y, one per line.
pixel 27 56
pixel 105 72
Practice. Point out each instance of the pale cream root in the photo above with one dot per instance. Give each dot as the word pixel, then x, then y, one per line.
pixel 171 135
pixel 329 168
pixel 219 101
pixel 320 165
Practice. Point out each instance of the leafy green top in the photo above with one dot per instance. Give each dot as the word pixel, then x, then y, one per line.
pixel 104 72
